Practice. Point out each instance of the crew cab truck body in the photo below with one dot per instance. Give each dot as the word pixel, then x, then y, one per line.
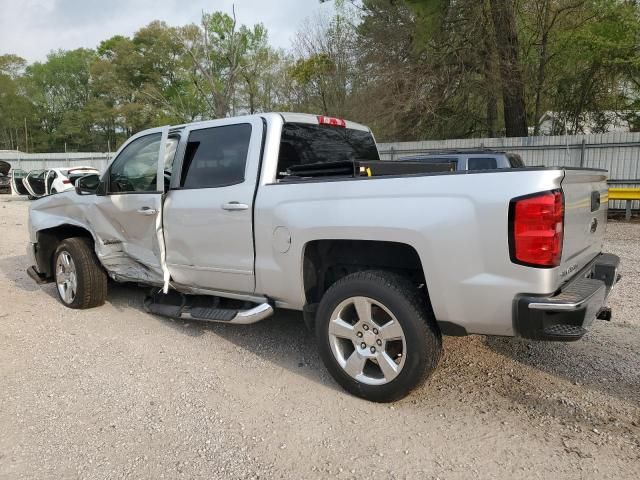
pixel 234 218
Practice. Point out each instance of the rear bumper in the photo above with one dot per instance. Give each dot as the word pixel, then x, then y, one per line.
pixel 566 315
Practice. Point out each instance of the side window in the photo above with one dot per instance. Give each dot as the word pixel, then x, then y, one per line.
pixel 216 157
pixel 479 163
pixel 515 160
pixel 136 168
pixel 169 157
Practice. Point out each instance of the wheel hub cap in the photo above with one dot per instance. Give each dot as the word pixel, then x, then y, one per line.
pixel 367 340
pixel 66 279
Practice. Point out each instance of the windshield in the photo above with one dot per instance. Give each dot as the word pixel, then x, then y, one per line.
pixel 306 144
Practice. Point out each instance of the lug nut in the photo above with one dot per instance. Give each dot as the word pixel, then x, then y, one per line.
pixel 363 345
pixel 373 349
pixel 366 327
pixel 375 330
pixel 379 342
pixel 359 334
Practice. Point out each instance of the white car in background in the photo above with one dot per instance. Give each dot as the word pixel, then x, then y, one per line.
pixel 39 183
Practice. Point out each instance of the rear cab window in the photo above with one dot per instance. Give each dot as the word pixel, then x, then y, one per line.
pixel 515 160
pixel 482 163
pixel 305 146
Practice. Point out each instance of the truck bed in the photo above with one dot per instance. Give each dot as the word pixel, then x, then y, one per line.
pixel 457 222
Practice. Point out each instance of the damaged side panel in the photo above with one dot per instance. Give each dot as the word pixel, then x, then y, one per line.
pixel 126 226
pixel 124 261
pixel 128 246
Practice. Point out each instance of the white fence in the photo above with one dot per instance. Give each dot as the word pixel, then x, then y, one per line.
pixel 619 153
pixel 37 161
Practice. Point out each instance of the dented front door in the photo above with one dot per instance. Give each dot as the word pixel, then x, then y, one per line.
pixel 127 211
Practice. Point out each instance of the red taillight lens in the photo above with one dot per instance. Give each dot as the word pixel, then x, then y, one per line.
pixel 66 181
pixel 331 121
pixel 536 227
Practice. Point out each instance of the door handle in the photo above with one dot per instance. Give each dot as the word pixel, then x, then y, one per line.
pixel 232 206
pixel 147 211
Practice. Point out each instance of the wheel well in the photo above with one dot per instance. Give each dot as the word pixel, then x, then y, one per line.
pixel 48 241
pixel 327 261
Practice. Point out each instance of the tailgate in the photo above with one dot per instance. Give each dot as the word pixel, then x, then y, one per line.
pixel 585 218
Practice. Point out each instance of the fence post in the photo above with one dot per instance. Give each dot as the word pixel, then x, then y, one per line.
pixel 392 150
pixel 582 147
pixel 627 211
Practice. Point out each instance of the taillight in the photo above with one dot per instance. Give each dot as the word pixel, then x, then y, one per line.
pixel 66 181
pixel 536 228
pixel 331 121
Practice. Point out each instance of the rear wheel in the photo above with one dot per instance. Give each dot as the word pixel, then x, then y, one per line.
pixel 377 335
pixel 80 280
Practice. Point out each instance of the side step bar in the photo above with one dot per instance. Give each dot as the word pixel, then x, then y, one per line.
pixel 179 306
pixel 236 317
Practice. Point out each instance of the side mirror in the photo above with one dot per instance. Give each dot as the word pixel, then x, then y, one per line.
pixel 87 185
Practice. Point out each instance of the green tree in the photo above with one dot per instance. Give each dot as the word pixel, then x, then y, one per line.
pixel 18 113
pixel 59 88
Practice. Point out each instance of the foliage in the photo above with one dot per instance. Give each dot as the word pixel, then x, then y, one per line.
pixel 411 69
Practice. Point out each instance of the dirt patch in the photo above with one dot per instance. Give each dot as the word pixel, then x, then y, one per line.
pixel 116 393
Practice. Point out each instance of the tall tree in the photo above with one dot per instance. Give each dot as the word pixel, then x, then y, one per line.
pixel 505 27
pixel 59 88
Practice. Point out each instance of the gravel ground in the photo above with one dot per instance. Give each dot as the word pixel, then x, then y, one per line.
pixel 114 392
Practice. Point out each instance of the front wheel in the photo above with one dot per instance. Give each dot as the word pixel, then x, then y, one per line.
pixel 377 335
pixel 80 280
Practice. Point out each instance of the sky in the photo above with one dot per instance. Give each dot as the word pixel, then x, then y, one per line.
pixel 32 28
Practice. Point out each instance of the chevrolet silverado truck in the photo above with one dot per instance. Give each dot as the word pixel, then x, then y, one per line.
pixel 228 220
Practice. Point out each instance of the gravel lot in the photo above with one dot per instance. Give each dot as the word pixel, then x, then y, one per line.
pixel 114 392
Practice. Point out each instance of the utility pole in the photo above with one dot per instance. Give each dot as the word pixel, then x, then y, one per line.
pixel 26 140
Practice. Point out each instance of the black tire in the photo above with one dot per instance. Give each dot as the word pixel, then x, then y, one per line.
pixel 411 308
pixel 91 279
pixel 53 191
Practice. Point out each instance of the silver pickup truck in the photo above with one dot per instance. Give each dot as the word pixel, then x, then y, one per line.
pixel 230 219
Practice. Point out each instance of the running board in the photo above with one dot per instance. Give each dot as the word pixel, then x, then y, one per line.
pixel 180 306
pixel 236 317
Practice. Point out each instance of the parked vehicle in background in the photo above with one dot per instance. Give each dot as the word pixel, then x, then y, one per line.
pixel 38 183
pixel 17 186
pixel 5 181
pixel 233 218
pixel 458 160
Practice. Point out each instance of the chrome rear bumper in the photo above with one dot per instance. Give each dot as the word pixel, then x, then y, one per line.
pixel 566 315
